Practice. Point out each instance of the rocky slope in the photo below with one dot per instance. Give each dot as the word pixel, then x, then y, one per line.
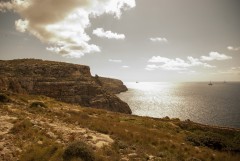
pixel 39 128
pixel 63 81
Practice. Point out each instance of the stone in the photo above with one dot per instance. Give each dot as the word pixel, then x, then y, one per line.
pixel 40 142
pixel 132 155
pixel 52 135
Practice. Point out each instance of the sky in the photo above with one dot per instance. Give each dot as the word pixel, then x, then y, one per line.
pixel 132 40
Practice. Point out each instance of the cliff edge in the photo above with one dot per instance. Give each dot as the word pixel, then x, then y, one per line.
pixel 65 82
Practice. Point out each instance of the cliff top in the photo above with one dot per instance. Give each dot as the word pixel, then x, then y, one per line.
pixel 37 67
pixel 31 61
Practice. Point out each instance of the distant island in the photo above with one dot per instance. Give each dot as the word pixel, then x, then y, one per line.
pixel 60 112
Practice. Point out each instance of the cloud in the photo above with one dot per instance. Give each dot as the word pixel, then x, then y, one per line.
pixel 125 66
pixel 21 25
pixel 233 48
pixel 176 64
pixel 151 67
pixel 159 39
pixel 115 60
pixel 158 59
pixel 61 24
pixel 215 56
pixel 4 6
pixel 107 34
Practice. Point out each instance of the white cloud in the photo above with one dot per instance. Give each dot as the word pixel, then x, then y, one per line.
pixel 114 7
pixel 175 64
pixel 215 56
pixel 62 24
pixel 151 67
pixel 197 62
pixel 115 60
pixel 231 48
pixel 125 66
pixel 158 59
pixel 159 39
pixel 107 34
pixel 74 51
pixel 21 25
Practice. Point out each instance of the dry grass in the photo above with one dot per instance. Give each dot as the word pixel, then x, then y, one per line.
pixel 135 138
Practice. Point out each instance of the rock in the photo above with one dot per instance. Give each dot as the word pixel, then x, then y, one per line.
pixel 51 135
pixel 65 82
pixel 110 102
pixel 151 157
pixel 124 159
pixel 132 155
pixel 40 142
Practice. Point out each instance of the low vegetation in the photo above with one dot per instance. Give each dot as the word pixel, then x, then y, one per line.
pixel 37 104
pixel 135 138
pixel 4 98
pixel 78 150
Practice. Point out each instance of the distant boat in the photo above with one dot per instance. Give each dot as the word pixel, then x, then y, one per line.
pixel 210 83
pixel 137 82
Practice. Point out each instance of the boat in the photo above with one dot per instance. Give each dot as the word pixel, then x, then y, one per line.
pixel 137 82
pixel 210 83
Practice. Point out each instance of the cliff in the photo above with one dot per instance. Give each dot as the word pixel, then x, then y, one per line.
pixel 114 86
pixel 66 82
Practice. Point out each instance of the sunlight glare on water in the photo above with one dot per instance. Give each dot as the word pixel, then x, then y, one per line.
pixel 217 105
pixel 153 95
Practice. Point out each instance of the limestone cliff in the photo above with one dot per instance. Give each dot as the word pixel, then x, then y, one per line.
pixel 66 82
pixel 114 86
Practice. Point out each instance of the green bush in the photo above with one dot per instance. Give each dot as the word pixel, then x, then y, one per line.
pixel 78 150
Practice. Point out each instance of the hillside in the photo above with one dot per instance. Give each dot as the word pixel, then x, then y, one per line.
pixel 65 82
pixel 39 128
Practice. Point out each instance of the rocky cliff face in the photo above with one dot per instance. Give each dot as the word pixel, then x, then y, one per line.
pixel 114 86
pixel 63 81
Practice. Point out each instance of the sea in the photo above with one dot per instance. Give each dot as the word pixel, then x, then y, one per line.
pixel 217 104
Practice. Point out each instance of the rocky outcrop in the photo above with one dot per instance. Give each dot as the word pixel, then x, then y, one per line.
pixel 66 82
pixel 114 86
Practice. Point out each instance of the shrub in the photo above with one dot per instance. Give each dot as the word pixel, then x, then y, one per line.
pixel 208 139
pixel 4 98
pixel 38 104
pixel 21 126
pixel 78 150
